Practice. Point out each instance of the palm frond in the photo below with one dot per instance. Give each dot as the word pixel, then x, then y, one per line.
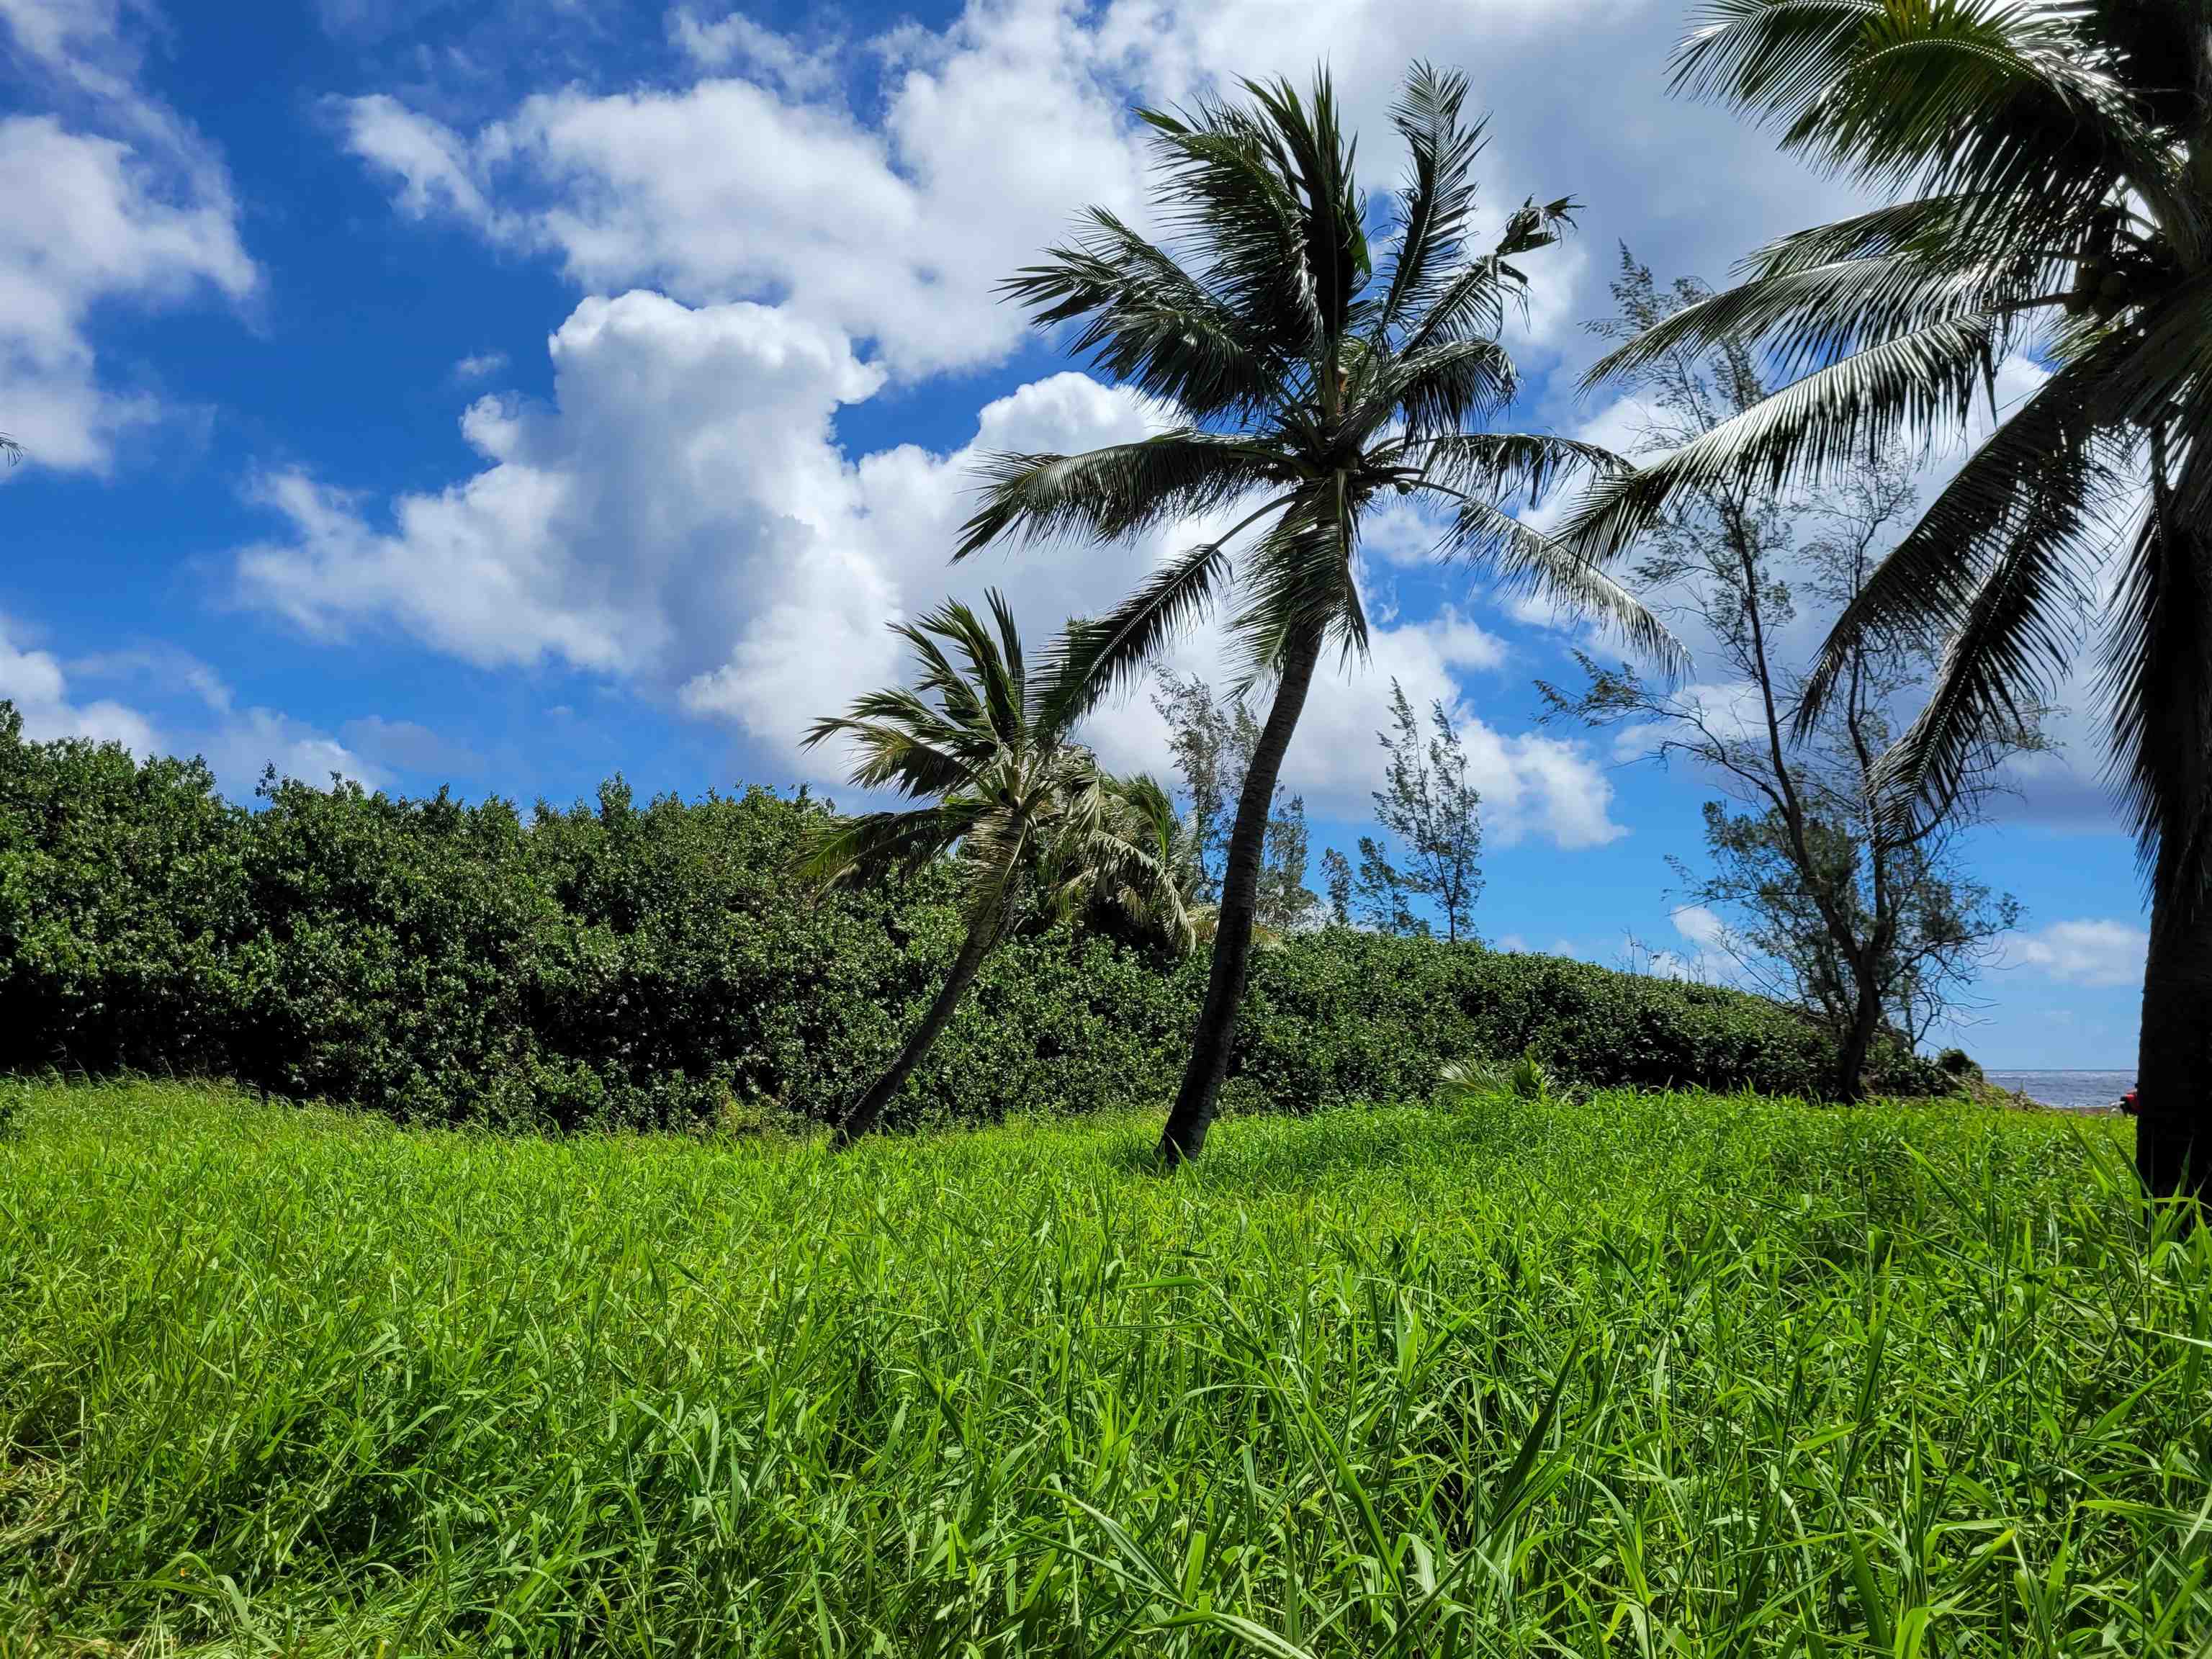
pixel 2012 644
pixel 1473 302
pixel 995 663
pixel 1443 388
pixel 959 700
pixel 1120 855
pixel 1992 98
pixel 1503 465
pixel 875 842
pixel 1810 316
pixel 995 856
pixel 1098 655
pixel 2008 496
pixel 1114 492
pixel 1519 557
pixel 1223 199
pixel 1146 321
pixel 2157 372
pixel 1437 195
pixel 1297 577
pixel 906 711
pixel 892 755
pixel 1856 407
pixel 1954 230
pixel 1311 152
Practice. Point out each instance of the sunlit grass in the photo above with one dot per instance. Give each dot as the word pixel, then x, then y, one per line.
pixel 1644 1374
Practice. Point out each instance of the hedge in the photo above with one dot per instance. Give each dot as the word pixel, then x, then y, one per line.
pixel 620 962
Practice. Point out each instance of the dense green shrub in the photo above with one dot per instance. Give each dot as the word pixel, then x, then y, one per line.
pixel 619 963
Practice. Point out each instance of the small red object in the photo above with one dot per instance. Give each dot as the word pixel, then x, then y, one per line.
pixel 2129 1104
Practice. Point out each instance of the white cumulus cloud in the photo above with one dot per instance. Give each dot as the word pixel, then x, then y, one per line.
pixel 119 203
pixel 2091 951
pixel 237 743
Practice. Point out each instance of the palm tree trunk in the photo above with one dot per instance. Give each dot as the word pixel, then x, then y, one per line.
pixel 2173 1076
pixel 1185 1134
pixel 861 1116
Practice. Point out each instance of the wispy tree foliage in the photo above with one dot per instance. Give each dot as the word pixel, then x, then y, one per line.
pixel 1212 740
pixel 2052 164
pixel 1431 813
pixel 1865 915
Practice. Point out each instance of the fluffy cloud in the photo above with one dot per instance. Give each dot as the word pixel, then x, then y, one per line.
pixel 737 40
pixel 755 175
pixel 2087 952
pixel 1698 924
pixel 36 683
pixel 120 202
pixel 894 231
pixel 1532 786
pixel 237 743
pixel 684 475
pixel 681 516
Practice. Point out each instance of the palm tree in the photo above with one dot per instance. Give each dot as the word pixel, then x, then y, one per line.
pixel 1031 820
pixel 2055 166
pixel 1306 381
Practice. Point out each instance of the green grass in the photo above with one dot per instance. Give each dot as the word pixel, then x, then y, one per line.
pixel 1648 1374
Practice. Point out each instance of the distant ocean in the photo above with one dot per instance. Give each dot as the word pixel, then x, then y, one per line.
pixel 2069 1091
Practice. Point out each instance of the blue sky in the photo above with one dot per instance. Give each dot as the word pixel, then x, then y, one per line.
pixel 510 394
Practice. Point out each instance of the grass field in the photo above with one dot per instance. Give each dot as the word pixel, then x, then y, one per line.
pixel 1646 1375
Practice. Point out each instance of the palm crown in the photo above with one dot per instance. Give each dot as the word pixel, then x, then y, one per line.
pixel 1026 812
pixel 2061 202
pixel 1304 379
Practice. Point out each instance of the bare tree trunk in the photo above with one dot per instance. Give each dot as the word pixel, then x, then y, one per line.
pixel 1210 1044
pixel 2173 1075
pixel 862 1114
pixel 1858 1039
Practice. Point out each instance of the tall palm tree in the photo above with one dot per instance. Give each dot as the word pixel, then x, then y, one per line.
pixel 2053 159
pixel 1306 381
pixel 1028 815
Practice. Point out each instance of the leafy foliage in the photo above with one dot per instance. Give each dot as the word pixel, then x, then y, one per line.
pixel 653 963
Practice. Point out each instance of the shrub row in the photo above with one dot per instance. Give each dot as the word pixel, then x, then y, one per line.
pixel 650 964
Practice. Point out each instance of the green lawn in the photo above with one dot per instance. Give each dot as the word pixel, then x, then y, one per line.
pixel 1642 1375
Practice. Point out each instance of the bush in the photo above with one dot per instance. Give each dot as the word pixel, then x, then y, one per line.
pixel 1959 1066
pixel 620 962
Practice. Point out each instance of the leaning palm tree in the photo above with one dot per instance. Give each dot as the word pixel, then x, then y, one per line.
pixel 1306 381
pixel 2054 161
pixel 1032 822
